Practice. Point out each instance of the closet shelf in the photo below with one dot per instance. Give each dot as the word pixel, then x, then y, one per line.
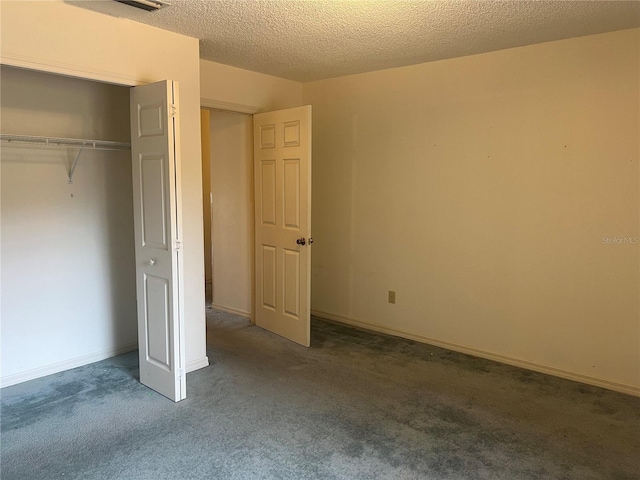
pixel 64 142
pixel 80 143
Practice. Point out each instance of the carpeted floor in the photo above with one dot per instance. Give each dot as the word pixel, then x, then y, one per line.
pixel 356 405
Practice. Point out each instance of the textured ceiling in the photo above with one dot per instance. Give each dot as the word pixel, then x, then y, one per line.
pixel 307 40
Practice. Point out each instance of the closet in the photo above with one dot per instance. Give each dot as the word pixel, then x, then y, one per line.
pixel 67 245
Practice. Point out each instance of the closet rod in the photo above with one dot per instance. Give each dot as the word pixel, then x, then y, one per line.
pixel 65 142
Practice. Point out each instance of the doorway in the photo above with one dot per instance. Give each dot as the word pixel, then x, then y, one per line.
pixel 227 173
pixel 278 211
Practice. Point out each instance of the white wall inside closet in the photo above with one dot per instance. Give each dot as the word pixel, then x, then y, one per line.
pixel 68 273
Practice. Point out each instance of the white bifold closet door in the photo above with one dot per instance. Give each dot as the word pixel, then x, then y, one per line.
pixel 158 237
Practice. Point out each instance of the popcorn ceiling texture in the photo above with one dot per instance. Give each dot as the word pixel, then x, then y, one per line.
pixel 316 39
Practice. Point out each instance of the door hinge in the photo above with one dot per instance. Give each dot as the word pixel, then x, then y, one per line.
pixel 177 245
pixel 181 372
pixel 174 110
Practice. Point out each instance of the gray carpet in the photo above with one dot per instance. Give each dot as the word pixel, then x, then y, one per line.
pixel 356 405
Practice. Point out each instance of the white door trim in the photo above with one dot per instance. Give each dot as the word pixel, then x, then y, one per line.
pixel 71 70
pixel 228 106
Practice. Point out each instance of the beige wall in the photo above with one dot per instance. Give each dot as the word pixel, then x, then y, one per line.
pixel 231 87
pixel 481 190
pixel 58 37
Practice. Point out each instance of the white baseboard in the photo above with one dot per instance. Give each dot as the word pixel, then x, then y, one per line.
pixel 557 372
pixel 240 313
pixel 197 364
pixel 66 364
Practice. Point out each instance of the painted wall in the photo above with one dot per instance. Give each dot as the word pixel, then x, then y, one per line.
pixel 232 210
pixel 488 191
pixel 67 251
pixel 58 37
pixel 231 86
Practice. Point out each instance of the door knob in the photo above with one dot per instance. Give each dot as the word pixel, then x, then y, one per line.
pixel 301 241
pixel 152 261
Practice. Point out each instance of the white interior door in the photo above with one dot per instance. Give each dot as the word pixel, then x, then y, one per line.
pixel 282 178
pixel 155 147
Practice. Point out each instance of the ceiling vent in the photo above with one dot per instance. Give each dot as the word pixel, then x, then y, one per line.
pixel 148 5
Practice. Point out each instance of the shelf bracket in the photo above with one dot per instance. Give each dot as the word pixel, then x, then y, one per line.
pixel 75 164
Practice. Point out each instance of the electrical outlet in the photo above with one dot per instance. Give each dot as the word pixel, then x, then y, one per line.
pixel 392 296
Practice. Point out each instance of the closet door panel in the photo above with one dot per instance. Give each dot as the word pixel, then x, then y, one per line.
pixel 154 145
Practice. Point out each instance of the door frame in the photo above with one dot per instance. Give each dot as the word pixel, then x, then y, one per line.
pixel 238 108
pixel 228 106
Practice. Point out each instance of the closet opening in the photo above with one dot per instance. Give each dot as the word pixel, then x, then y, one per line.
pixel 68 262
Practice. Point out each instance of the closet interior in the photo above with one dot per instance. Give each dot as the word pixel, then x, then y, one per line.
pixel 67 241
